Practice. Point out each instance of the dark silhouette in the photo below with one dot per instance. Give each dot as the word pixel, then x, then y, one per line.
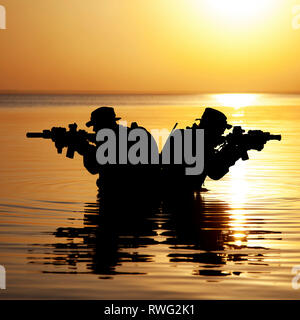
pixel 114 178
pixel 116 236
pixel 201 231
pixel 220 153
pixel 135 201
pixel 114 228
pixel 64 138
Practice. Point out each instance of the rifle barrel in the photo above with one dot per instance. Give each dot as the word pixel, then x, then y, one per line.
pixel 275 137
pixel 36 135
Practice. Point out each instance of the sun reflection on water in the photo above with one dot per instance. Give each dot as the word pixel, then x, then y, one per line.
pixel 236 100
pixel 239 185
pixel 239 189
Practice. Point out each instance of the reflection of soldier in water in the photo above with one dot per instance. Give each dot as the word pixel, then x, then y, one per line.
pixel 113 234
pixel 201 232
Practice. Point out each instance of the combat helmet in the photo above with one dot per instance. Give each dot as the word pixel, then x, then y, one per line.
pixel 103 115
pixel 213 118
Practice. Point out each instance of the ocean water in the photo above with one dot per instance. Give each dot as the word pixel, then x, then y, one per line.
pixel 238 240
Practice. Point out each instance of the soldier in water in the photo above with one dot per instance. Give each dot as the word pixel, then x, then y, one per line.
pixel 121 177
pixel 143 176
pixel 220 152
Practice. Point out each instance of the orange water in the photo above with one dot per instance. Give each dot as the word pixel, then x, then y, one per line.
pixel 241 243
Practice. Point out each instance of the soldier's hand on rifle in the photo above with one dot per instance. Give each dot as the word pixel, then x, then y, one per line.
pixel 258 145
pixel 59 143
pixel 81 145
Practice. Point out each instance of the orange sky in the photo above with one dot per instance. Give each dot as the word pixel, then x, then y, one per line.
pixel 148 46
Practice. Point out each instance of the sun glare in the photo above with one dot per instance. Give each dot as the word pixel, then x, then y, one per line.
pixel 240 10
pixel 239 185
pixel 236 100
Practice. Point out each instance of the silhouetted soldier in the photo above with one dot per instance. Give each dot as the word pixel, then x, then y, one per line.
pixel 132 169
pixel 220 152
pixel 217 162
pixel 119 177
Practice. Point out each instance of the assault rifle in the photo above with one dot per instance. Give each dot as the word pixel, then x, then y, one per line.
pixel 65 138
pixel 252 140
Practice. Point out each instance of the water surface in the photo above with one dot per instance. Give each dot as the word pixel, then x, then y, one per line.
pixel 238 240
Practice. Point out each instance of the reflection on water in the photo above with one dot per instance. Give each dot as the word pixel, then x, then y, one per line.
pixel 58 240
pixel 207 233
pixel 110 236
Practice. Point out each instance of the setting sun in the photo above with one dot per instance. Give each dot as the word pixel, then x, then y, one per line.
pixel 150 150
pixel 170 46
pixel 240 10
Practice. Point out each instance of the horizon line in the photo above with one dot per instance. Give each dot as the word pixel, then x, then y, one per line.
pixel 95 92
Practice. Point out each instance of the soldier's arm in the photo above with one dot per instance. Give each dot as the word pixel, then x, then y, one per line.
pixel 89 159
pixel 218 163
pixel 88 151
